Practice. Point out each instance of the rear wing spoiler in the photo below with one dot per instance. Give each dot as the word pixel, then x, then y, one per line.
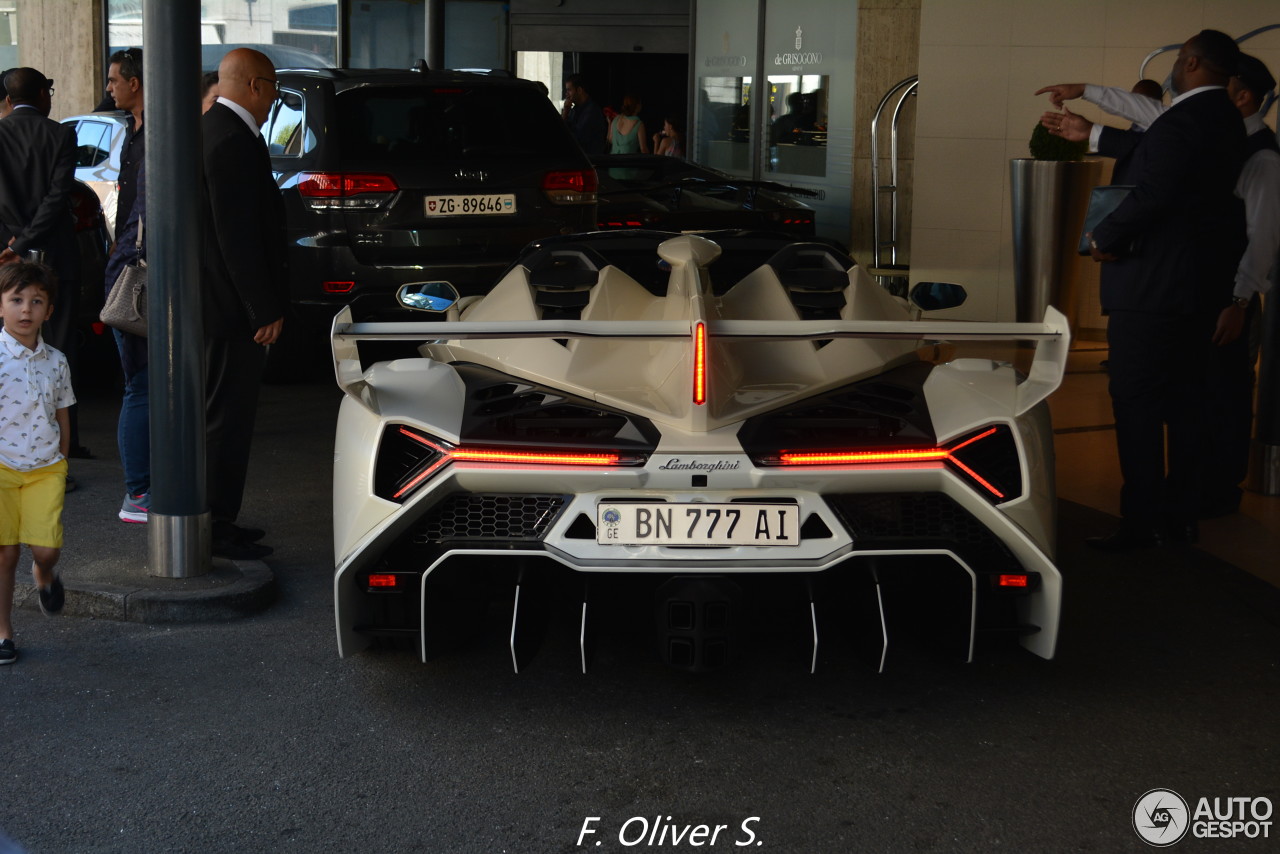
pixel 1052 338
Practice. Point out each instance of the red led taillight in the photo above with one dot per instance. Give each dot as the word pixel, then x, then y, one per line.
pixel 571 188
pixel 382 581
pixel 438 460
pixel 836 458
pixel 700 363
pixel 791 218
pixel 955 461
pixel 944 455
pixel 1012 581
pixel 338 287
pixel 481 455
pixel 443 453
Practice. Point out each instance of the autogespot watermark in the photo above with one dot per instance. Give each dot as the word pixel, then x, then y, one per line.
pixel 663 831
pixel 1162 817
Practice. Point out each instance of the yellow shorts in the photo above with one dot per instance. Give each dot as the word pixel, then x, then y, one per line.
pixel 31 505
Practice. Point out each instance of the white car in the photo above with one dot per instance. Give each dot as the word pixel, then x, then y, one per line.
pixel 99 146
pixel 681 433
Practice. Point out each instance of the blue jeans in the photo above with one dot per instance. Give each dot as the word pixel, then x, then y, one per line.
pixel 133 433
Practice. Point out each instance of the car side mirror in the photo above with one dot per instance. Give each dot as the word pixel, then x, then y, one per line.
pixel 292 100
pixel 427 296
pixel 935 296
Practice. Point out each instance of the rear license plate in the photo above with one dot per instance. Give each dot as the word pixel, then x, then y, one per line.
pixel 493 204
pixel 696 524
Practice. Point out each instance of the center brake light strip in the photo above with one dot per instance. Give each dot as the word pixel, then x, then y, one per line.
pixel 700 363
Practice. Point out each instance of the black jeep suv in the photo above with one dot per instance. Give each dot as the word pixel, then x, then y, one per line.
pixel 402 176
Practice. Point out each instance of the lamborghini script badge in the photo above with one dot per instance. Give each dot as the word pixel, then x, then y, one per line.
pixel 677 464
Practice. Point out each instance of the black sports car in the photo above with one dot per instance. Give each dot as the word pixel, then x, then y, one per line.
pixel 670 194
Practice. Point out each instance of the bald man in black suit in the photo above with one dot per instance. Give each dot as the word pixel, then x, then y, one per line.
pixel 244 277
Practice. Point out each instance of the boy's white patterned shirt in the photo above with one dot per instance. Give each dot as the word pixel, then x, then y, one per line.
pixel 34 385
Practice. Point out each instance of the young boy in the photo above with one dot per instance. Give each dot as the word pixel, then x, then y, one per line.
pixel 35 391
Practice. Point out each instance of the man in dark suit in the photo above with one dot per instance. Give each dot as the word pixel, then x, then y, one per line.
pixel 244 281
pixel 1225 459
pixel 37 171
pixel 1169 254
pixel 37 166
pixel 585 118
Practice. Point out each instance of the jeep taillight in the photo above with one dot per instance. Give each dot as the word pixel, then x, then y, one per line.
pixel 571 188
pixel 345 190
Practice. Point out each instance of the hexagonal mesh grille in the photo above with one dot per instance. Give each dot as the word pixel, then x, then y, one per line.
pixel 920 520
pixel 478 516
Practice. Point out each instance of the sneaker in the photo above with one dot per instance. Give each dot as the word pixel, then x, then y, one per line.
pixel 135 508
pixel 52 598
pixel 8 652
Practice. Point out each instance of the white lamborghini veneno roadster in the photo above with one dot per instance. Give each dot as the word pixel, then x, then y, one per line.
pixel 681 435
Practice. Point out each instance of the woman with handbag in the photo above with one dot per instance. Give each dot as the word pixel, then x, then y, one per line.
pixel 133 433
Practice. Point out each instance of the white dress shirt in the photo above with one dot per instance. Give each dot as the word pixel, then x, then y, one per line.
pixel 242 113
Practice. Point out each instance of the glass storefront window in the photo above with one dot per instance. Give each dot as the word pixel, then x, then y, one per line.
pixel 798 130
pixel 293 33
pixel 723 120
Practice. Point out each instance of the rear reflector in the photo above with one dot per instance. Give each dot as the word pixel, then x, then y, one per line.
pixel 384 581
pixel 338 287
pixel 1013 581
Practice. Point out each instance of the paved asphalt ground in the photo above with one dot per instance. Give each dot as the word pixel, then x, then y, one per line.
pixel 251 735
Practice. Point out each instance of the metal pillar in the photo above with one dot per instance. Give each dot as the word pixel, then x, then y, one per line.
pixel 434 40
pixel 179 519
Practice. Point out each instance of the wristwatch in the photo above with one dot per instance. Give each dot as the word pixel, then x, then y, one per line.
pixel 1240 302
